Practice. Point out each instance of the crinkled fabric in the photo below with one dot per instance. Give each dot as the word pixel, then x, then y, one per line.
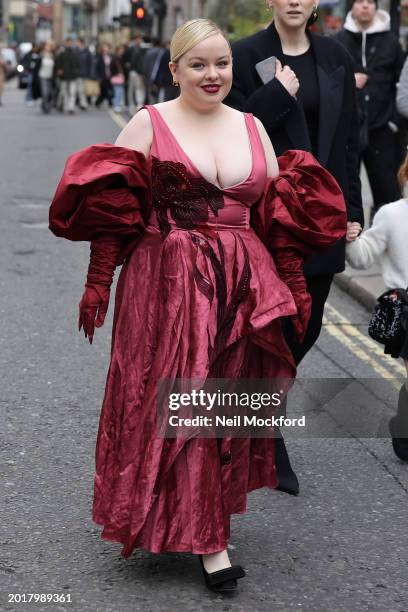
pixel 192 303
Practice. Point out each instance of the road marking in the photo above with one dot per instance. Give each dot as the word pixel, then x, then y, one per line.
pixel 118 119
pixel 351 330
pixel 34 206
pixel 348 335
pixel 39 225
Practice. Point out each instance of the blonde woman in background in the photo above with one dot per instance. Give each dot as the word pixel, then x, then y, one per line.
pixel 46 75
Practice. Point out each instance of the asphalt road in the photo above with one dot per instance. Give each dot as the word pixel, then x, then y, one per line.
pixel 340 545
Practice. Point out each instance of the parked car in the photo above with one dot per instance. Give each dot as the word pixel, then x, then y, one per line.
pixel 9 56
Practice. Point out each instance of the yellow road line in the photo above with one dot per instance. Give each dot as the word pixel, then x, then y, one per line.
pixel 338 334
pixel 118 119
pixel 351 340
pixel 336 318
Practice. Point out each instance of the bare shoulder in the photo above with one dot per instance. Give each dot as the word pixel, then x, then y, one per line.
pixel 261 129
pixel 271 161
pixel 138 133
pixel 165 105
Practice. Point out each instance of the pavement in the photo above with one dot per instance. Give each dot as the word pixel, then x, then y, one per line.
pixel 363 285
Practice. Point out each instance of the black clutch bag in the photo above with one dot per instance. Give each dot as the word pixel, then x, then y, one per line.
pixel 388 324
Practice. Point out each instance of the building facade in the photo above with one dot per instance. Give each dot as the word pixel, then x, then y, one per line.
pixel 4 20
pixel 179 11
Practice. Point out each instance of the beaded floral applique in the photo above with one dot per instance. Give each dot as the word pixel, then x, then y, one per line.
pixel 187 198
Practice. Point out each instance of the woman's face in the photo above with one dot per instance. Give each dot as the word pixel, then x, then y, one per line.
pixel 205 72
pixel 292 13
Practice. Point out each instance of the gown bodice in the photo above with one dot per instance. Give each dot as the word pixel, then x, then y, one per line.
pixel 228 208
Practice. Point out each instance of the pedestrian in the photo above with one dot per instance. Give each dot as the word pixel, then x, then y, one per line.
pixel 378 59
pixel 198 296
pixel 118 79
pixel 134 59
pixel 85 61
pixel 402 91
pixel 151 59
pixel 67 69
pixel 2 77
pixel 103 69
pixel 306 100
pixel 161 77
pixel 92 85
pixel 386 243
pixel 31 63
pixel 46 75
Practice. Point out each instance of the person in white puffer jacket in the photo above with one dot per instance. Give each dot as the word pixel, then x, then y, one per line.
pixel 387 242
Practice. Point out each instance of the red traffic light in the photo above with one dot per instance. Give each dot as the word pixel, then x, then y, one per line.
pixel 140 13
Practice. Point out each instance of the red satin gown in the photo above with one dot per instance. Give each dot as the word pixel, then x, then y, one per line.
pixel 199 296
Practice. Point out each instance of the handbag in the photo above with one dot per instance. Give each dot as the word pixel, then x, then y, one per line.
pixel 92 88
pixel 118 79
pixel 389 321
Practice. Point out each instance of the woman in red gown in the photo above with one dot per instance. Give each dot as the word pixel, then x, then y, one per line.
pixel 212 243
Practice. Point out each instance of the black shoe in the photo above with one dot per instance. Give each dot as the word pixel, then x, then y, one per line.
pixel 398 426
pixel 400 445
pixel 222 581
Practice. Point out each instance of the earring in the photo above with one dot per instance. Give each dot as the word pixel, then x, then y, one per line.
pixel 175 83
pixel 315 14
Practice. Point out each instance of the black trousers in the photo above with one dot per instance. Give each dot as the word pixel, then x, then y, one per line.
pixel 106 92
pixel 382 158
pixel 319 287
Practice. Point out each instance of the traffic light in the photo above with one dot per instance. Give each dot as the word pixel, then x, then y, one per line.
pixel 138 12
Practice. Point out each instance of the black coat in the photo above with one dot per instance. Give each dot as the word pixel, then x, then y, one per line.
pixel 284 119
pixel 67 64
pixel 102 72
pixel 384 61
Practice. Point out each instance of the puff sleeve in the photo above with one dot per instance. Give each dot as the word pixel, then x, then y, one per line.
pixel 105 189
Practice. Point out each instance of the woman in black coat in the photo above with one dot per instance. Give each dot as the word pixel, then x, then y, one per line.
pixel 310 105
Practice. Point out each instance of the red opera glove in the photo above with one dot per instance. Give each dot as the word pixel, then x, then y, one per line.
pixel 290 269
pixel 95 299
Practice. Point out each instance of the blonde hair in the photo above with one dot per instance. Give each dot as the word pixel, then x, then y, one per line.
pixel 189 34
pixel 403 172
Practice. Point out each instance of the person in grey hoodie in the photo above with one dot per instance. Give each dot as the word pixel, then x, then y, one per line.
pixel 378 59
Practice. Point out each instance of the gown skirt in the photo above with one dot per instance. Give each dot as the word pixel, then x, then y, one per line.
pixel 170 494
